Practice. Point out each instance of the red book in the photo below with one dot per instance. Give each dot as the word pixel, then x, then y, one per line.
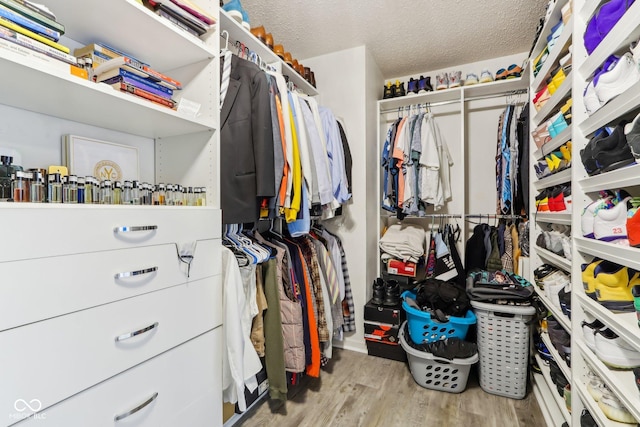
pixel 137 68
pixel 126 87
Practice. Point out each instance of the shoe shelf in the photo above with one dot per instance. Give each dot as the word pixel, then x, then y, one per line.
pixel 566 370
pixel 564 321
pixel 554 101
pixel 628 176
pixel 237 33
pixel 553 179
pixel 498 86
pixel 444 95
pixel 554 218
pixel 554 144
pixel 592 406
pixel 55 92
pixel 623 33
pixel 550 410
pixel 623 255
pixel 553 18
pixel 621 104
pixel 546 373
pixel 623 324
pixel 588 9
pixel 555 259
pixel 621 383
pixel 561 48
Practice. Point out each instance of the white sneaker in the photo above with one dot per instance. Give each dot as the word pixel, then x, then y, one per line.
pixel 614 351
pixel 635 51
pixel 589 331
pixel 454 79
pixel 614 409
pixel 589 216
pixel 566 247
pixel 624 74
pixel 611 224
pixel 486 76
pixel 553 284
pixel 590 99
pixel 442 81
pixel 471 79
pixel 595 386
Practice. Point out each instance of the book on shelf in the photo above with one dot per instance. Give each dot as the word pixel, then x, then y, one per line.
pixel 195 10
pixel 40 61
pixel 178 13
pixel 31 11
pixel 17 28
pixel 30 43
pixel 137 82
pixel 175 21
pixel 105 51
pixel 135 67
pixel 125 87
pixel 29 24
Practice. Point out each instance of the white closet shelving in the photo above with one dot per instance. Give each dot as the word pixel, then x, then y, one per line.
pixel 585 190
pixel 552 404
pixel 64 301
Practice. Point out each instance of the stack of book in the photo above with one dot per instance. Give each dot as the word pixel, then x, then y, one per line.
pixel 34 27
pixel 184 14
pixel 126 74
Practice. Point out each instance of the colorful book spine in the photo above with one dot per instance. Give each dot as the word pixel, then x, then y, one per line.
pixel 29 11
pixel 25 41
pixel 40 61
pixel 124 87
pixel 137 67
pixel 195 11
pixel 24 31
pixel 29 24
pixel 176 22
pixel 138 84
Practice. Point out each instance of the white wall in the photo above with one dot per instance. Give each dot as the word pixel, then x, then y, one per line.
pixel 348 81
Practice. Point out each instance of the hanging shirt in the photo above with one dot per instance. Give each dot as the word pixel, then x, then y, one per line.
pixel 336 155
pixel 320 158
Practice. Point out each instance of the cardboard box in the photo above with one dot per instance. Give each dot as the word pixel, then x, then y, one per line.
pixel 381 332
pixel 401 268
pixel 387 351
pixel 381 314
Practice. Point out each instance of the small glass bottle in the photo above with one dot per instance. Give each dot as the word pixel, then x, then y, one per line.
pixel 185 196
pixel 177 195
pixel 117 193
pixel 88 190
pixel 126 193
pixel 54 189
pixel 96 190
pixel 191 197
pixel 162 194
pixel 203 196
pixel 196 196
pixel 135 192
pixel 36 192
pixel 81 189
pixel 70 189
pixel 169 196
pixel 20 182
pixel 106 192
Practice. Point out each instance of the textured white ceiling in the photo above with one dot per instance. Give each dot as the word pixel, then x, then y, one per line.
pixel 405 36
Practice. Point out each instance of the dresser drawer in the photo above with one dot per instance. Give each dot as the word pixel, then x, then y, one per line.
pixel 33 290
pixel 53 359
pixel 41 230
pixel 185 381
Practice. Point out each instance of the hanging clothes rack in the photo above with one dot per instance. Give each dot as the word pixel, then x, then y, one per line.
pixel 456 101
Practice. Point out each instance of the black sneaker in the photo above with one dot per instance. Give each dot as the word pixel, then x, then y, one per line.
pixel 412 86
pixel 587 153
pixel 391 293
pixel 613 152
pixel 399 89
pixel 565 302
pixel 586 420
pixel 422 85
pixel 378 291
pixel 389 91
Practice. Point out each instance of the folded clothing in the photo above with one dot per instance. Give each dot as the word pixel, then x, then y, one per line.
pixel 403 241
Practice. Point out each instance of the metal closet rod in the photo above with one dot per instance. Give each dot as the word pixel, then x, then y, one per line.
pixel 492 216
pixel 456 101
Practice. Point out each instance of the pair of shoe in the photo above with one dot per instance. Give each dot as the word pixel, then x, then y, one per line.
pixel 603 21
pixel 560 339
pixel 541 97
pixel 607 401
pixel 556 79
pixel 553 199
pixel 238 13
pixel 554 283
pixel 386 293
pixel 421 85
pixel 512 72
pixel 616 76
pixel 606 219
pixel 610 284
pixel 261 34
pixel 393 90
pixel 607 150
pixel 632 135
pixel 448 80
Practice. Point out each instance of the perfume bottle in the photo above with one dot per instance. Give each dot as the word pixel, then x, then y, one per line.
pixel 126 193
pixel 54 188
pixel 36 192
pixel 20 183
pixel 162 194
pixel 6 171
pixel 117 193
pixel 70 189
pixel 106 192
pixel 96 190
pixel 81 189
pixel 135 192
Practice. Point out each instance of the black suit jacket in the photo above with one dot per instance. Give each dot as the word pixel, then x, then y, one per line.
pixel 246 144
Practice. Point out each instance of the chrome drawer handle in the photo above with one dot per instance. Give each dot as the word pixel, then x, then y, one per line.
pixel 130 229
pixel 135 273
pixel 134 333
pixel 137 408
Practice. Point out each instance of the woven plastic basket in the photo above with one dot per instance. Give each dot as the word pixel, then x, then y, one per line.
pixel 503 345
pixel 424 329
pixel 434 372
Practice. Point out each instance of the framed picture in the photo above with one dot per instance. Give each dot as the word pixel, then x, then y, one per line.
pixel 101 159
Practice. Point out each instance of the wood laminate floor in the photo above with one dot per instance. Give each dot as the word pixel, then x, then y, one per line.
pixel 368 391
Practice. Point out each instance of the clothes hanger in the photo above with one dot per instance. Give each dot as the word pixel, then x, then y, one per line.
pixel 225 35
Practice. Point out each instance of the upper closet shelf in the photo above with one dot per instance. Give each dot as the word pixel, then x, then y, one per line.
pixel 553 102
pixel 560 49
pixel 555 143
pixel 554 218
pixel 625 31
pixel 623 255
pixel 621 104
pixel 238 34
pixel 623 177
pixel 553 18
pixel 159 43
pixel 55 92
pixel 497 87
pixel 554 179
